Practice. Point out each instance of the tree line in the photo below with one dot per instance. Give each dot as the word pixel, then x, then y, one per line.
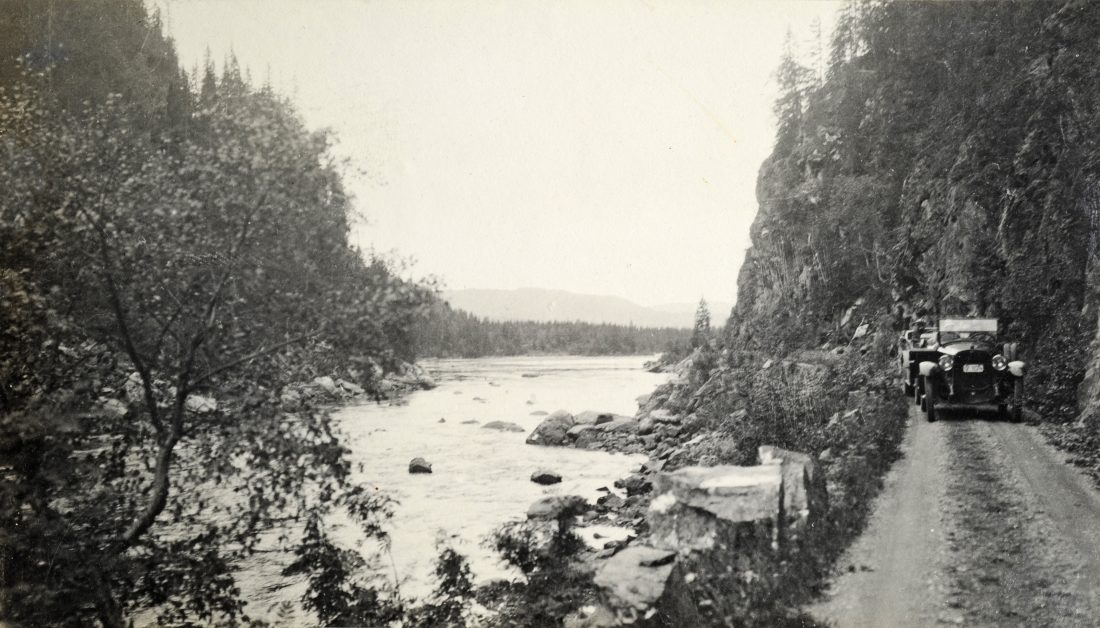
pixel 447 332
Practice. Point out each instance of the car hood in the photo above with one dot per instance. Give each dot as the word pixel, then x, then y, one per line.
pixel 957 346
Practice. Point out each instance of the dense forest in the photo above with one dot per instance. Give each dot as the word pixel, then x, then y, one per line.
pixel 175 256
pixel 447 332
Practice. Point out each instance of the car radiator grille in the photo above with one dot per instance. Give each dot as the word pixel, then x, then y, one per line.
pixel 973 387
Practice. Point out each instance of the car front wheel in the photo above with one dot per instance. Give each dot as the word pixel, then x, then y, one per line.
pixel 930 401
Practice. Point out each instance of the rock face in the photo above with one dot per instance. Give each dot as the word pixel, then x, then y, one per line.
pixel 419 465
pixel 503 426
pixel 552 430
pixel 557 506
pixel 545 477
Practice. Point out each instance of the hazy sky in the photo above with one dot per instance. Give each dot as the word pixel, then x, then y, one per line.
pixel 596 146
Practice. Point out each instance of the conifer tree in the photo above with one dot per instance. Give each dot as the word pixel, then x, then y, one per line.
pixel 700 334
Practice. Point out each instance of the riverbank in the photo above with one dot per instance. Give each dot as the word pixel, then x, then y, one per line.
pixel 838 407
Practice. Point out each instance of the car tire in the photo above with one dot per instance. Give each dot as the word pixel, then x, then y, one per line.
pixel 917 387
pixel 1002 412
pixel 930 401
pixel 908 389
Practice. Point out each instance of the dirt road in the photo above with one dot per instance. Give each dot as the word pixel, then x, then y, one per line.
pixel 981 523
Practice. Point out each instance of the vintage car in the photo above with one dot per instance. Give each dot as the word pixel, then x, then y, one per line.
pixel 960 364
pixel 913 345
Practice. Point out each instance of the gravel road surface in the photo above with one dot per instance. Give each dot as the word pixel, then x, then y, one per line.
pixel 981 523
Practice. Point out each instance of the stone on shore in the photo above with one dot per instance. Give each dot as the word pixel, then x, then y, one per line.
pixel 557 507
pixel 552 430
pixel 503 426
pixel 350 387
pixel 545 477
pixel 590 417
pixel 419 465
pixel 326 384
pixel 200 404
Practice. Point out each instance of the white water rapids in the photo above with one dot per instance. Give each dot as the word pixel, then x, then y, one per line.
pixel 481 477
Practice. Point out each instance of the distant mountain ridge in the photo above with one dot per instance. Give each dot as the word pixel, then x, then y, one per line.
pixel 538 304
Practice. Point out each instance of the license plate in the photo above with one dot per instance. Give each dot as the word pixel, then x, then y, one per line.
pixel 973 368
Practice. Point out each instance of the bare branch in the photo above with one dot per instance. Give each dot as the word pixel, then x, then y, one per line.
pixel 252 356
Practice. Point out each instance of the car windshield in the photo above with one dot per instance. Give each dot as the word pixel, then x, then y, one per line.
pixel 979 336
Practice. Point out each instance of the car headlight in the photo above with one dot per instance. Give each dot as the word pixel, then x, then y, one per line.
pixel 999 362
pixel 947 362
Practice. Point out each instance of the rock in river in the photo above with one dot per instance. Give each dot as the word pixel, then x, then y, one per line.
pixel 558 506
pixel 545 477
pixel 503 426
pixel 552 430
pixel 419 465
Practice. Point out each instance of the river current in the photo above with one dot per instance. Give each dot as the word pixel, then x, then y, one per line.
pixel 480 477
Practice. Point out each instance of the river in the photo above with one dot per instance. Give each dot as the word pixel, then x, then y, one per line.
pixel 481 477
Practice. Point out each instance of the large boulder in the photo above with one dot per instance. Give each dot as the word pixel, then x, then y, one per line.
pixel 557 507
pixel 697 508
pixel 503 426
pixel 802 486
pixel 641 586
pixel 419 465
pixel 553 429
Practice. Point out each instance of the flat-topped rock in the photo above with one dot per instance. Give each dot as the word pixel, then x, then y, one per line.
pixel 698 508
pixel 730 492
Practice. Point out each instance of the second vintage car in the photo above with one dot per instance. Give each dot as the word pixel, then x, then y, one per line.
pixel 961 365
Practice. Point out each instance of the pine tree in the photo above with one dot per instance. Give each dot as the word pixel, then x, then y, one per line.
pixel 792 79
pixel 700 334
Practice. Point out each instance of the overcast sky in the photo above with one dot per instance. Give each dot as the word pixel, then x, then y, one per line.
pixel 597 146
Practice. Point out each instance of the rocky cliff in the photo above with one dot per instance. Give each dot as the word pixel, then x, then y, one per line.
pixel 946 165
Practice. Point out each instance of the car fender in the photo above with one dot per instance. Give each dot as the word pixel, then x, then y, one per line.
pixel 927 369
pixel 1016 367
